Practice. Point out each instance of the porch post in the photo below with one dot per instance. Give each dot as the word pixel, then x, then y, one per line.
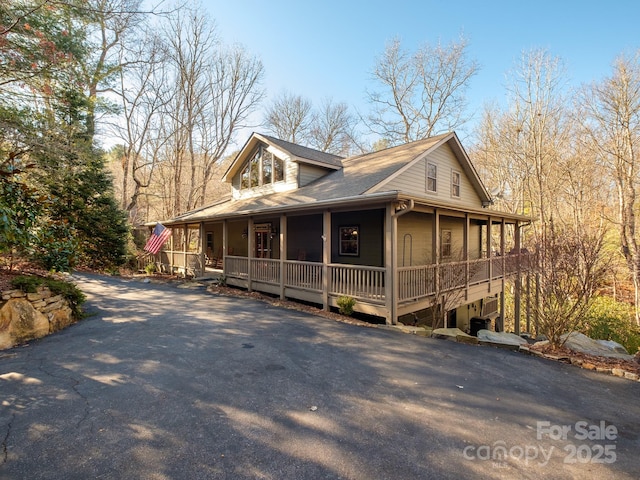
pixel 504 269
pixel 390 260
pixel 489 253
pixel 465 247
pixel 283 253
pixel 225 244
pixel 250 247
pixel 185 241
pixel 203 248
pixel 518 286
pixel 326 257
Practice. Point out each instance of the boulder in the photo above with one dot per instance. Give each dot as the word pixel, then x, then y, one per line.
pixel 60 319
pixel 454 334
pixel 500 338
pixel 613 346
pixel 578 342
pixel 20 322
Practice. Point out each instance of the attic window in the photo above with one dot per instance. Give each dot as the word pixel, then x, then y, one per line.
pixel 455 184
pixel 432 177
pixel 262 169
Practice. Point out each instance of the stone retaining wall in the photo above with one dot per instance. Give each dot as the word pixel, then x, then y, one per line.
pixel 26 316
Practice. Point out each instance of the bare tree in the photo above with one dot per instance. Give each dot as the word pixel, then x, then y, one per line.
pixel 332 130
pixel 291 118
pixel 422 94
pixel 609 112
pixel 570 269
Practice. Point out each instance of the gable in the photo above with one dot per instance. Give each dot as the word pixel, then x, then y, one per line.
pixel 414 180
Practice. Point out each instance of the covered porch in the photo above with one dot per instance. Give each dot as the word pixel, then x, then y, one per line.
pixel 392 258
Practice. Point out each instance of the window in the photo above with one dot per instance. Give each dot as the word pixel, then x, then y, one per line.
pixel 432 174
pixel 445 243
pixel 262 169
pixel 455 184
pixel 350 241
pixel 267 167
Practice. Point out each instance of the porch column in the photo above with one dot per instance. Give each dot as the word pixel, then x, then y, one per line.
pixel 326 257
pixel 185 245
pixel 465 249
pixel 250 241
pixel 504 269
pixel 391 293
pixel 489 253
pixel 225 244
pixel 518 286
pixel 283 253
pixel 203 248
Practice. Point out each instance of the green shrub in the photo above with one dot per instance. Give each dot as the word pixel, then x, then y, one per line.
pixel 345 305
pixel 608 319
pixel 150 268
pixel 69 291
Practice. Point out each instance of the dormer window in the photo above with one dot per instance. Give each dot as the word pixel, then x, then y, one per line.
pixel 262 169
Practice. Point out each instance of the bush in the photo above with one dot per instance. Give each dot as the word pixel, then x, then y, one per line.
pixel 150 268
pixel 345 305
pixel 73 295
pixel 608 319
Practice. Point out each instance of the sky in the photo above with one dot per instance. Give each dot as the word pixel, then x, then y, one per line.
pixel 327 49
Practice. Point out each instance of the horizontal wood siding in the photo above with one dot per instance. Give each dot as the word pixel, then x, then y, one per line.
pixel 415 239
pixel 371 223
pixel 414 180
pixel 309 173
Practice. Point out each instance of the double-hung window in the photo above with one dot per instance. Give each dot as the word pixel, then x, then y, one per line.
pixel 432 177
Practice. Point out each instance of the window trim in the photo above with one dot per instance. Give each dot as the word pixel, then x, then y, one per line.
pixel 257 160
pixel 355 240
pixel 455 185
pixel 432 178
pixel 449 250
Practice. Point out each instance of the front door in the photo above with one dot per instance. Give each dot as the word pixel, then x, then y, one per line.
pixel 263 244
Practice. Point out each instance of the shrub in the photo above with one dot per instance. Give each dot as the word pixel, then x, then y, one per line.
pixel 69 291
pixel 150 268
pixel 608 319
pixel 345 305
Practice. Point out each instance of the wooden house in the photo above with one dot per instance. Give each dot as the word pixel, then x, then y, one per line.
pixel 399 230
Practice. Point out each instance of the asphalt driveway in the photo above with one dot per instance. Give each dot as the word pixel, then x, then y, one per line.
pixel 162 383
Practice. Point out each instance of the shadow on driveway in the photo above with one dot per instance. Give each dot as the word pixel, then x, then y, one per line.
pixel 164 383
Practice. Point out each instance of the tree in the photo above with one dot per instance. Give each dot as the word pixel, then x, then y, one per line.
pixel 332 130
pixel 291 118
pixel 422 94
pixel 609 113
pixel 570 269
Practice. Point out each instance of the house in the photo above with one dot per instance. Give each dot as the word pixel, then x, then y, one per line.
pixel 400 231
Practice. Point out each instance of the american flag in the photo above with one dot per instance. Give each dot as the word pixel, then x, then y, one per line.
pixel 158 237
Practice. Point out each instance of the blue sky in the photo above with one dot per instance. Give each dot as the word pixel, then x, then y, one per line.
pixel 327 49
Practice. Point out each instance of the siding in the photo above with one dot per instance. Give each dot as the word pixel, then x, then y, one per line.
pixel 413 181
pixel 371 223
pixel 309 173
pixel 415 239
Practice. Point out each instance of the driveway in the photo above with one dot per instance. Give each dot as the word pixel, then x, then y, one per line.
pixel 164 383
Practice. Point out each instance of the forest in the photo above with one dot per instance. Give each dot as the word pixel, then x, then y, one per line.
pixel 173 100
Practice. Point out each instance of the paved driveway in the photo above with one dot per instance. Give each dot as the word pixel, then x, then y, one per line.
pixel 164 383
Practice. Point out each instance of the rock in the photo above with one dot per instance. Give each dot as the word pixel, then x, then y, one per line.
pixel 502 338
pixel 631 375
pixel 454 334
pixel 613 346
pixel 20 322
pixel 60 319
pixel 618 372
pixel 579 342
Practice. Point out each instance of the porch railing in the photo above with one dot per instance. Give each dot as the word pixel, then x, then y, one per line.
pixel 420 281
pixel 359 282
pixel 305 275
pixel 368 283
